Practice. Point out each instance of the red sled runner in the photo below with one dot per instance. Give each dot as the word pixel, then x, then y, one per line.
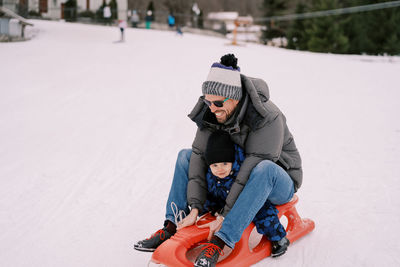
pixel 173 252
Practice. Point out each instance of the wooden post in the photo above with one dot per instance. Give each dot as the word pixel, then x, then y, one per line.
pixel 62 10
pixel 43 6
pixel 234 40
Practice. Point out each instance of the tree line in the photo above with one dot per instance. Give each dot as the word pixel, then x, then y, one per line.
pixel 374 32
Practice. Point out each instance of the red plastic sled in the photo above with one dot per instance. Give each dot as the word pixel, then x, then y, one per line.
pixel 173 252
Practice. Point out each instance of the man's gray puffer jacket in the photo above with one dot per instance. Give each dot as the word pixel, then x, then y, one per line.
pixel 258 126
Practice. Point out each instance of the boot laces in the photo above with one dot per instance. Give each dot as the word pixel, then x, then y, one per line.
pixel 211 249
pixel 159 232
pixel 178 214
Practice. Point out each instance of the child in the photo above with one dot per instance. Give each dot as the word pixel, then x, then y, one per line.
pixel 122 25
pixel 224 159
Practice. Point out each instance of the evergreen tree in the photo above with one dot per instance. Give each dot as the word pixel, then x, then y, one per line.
pixel 114 9
pixel 383 31
pixel 274 8
pixel 70 10
pixel 373 32
pixel 355 29
pixel 151 8
pixel 99 12
pixel 179 8
pixel 297 38
pixel 326 33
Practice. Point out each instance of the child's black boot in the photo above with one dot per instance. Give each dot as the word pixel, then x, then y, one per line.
pixel 279 247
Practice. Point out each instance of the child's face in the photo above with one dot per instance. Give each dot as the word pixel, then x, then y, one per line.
pixel 221 169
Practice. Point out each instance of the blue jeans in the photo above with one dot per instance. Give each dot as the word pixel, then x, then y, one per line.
pixel 267 181
pixel 177 193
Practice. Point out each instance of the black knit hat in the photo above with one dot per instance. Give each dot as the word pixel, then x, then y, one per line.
pixel 220 148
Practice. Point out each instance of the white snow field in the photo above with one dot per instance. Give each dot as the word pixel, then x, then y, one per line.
pixel 90 130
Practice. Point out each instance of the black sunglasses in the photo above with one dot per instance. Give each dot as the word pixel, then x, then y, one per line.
pixel 218 103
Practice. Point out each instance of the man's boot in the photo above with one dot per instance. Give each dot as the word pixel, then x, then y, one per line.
pixel 150 244
pixel 209 255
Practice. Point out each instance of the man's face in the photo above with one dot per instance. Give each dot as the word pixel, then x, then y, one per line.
pixel 225 112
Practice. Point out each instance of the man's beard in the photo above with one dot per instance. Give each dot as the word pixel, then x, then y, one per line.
pixel 227 115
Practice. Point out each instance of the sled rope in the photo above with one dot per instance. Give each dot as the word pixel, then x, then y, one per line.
pixel 178 214
pixel 201 218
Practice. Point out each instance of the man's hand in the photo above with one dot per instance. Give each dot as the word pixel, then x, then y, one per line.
pixel 214 226
pixel 188 220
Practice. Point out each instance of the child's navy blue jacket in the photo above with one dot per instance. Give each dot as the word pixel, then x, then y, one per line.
pixel 266 220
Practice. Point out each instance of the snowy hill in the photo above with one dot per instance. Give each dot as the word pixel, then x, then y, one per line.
pixel 90 130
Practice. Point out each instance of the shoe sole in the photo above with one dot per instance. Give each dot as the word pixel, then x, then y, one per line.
pixel 145 249
pixel 277 255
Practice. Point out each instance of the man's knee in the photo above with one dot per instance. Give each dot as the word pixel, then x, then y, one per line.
pixel 279 180
pixel 265 169
pixel 184 156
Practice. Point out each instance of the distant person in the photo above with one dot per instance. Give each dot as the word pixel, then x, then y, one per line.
pixel 179 30
pixel 107 14
pixel 149 19
pixel 171 21
pixel 134 19
pixel 122 25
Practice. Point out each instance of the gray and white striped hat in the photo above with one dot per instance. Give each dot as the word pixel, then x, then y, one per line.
pixel 223 81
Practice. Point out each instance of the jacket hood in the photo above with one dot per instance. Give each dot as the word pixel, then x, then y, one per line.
pixel 258 91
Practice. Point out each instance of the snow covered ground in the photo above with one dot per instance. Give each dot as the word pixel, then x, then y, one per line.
pixel 90 130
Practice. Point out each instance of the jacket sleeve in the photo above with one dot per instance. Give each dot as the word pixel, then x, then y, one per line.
pixel 263 144
pixel 197 184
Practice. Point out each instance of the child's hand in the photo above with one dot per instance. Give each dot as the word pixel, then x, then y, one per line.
pixel 214 226
pixel 188 220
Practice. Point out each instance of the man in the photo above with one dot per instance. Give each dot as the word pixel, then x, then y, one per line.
pixel 271 171
pixel 135 19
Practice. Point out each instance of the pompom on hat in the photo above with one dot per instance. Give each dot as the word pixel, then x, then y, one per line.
pixel 224 79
